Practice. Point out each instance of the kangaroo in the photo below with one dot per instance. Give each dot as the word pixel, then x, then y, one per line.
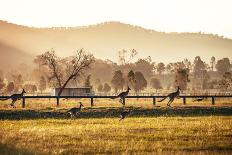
pixel 199 99
pixel 124 114
pixel 74 111
pixel 122 95
pixel 15 97
pixel 172 96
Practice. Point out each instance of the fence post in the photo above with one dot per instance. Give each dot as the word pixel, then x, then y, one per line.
pixel 23 102
pixel 213 100
pixel 92 102
pixel 154 101
pixel 57 101
pixel 184 100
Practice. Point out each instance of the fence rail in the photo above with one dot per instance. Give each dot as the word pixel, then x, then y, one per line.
pixel 184 97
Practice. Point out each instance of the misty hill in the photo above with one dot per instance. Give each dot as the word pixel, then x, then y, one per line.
pixel 10 57
pixel 106 39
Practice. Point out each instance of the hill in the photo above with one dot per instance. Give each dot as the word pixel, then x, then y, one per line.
pixel 106 39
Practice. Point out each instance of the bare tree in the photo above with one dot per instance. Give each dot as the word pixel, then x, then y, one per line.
pixel 123 58
pixel 63 70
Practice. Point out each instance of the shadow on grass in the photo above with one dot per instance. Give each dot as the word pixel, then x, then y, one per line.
pixel 11 150
pixel 107 112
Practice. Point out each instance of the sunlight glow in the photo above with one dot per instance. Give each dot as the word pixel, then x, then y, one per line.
pixel 210 16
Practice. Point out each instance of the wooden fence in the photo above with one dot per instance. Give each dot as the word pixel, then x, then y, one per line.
pixel 184 97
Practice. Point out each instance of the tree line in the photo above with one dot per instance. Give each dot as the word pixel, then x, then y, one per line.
pixel 82 69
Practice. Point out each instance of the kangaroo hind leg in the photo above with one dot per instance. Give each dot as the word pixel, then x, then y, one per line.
pixel 12 103
pixel 170 101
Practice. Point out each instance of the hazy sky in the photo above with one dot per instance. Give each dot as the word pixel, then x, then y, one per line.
pixel 210 16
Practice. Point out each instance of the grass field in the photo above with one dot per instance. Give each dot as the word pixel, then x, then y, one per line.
pixel 148 130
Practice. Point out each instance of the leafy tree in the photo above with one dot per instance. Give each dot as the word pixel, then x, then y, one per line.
pixel 118 81
pixel 10 87
pixel 155 83
pixel 160 68
pixel 30 88
pixel 146 66
pixel 64 70
pixel 106 88
pixel 205 80
pixel 182 78
pixel 200 73
pixel 212 62
pixel 87 81
pixel 199 68
pixel 131 78
pixel 2 84
pixel 18 81
pixel 226 81
pixel 42 84
pixel 140 83
pixel 223 65
pixel 169 68
pixel 100 88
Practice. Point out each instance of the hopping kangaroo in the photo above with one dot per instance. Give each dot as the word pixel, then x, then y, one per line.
pixel 199 99
pixel 15 97
pixel 74 111
pixel 172 96
pixel 122 95
pixel 124 114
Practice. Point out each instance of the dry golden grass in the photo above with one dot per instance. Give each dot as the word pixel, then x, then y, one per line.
pixel 137 135
pixel 41 128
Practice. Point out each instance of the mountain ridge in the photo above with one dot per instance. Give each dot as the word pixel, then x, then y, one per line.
pixel 106 39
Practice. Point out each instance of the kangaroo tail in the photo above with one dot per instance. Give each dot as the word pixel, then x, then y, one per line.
pixel 162 99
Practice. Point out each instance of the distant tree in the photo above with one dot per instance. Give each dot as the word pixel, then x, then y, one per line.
pixel 42 84
pixel 213 84
pixel 118 81
pixel 2 84
pixel 10 87
pixel 100 67
pixel 226 81
pixel 146 66
pixel 206 78
pixel 64 70
pixel 200 73
pixel 160 68
pixel 123 58
pixel 182 78
pixel 140 83
pixel 18 81
pixel 87 81
pixel 223 65
pixel 30 88
pixel 155 83
pixel 169 68
pixel 100 88
pixel 131 78
pixel 106 88
pixel 212 62
pixel 199 68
